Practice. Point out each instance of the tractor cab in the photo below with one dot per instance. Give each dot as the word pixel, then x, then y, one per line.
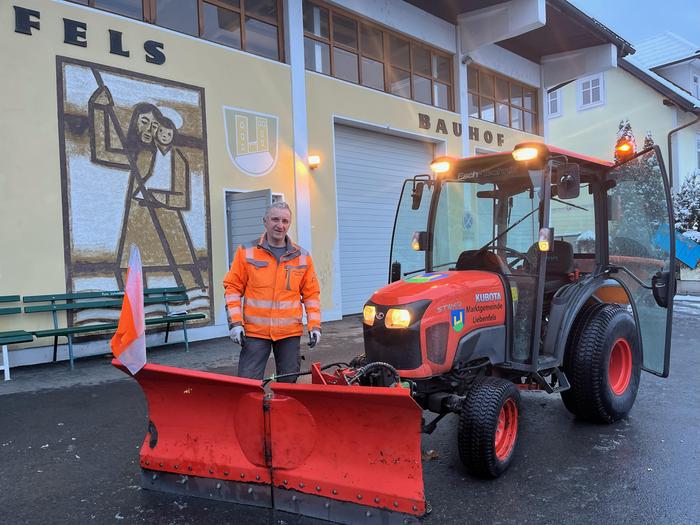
pixel 560 230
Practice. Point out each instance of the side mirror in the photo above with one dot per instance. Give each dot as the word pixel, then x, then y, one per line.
pixel 569 181
pixel 417 195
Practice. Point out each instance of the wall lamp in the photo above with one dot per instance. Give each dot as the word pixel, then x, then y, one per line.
pixel 314 161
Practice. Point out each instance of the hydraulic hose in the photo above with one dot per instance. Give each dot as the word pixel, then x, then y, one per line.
pixel 373 366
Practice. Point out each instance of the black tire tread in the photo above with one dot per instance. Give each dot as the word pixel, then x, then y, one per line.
pixel 477 425
pixel 582 319
pixel 586 365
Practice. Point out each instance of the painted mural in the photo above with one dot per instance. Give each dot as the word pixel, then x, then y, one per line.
pixel 134 171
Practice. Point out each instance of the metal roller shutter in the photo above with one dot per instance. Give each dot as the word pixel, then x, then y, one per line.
pixel 370 170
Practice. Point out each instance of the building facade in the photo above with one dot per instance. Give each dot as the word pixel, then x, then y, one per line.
pixel 656 90
pixel 172 125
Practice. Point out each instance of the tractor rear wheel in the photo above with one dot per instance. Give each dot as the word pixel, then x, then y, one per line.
pixel 603 364
pixel 488 426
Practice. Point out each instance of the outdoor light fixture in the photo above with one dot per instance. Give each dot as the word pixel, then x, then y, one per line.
pixel 314 161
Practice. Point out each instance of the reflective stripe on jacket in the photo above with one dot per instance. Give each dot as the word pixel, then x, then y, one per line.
pixel 266 296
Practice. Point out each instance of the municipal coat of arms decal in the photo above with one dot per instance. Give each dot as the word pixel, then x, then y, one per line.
pixel 251 140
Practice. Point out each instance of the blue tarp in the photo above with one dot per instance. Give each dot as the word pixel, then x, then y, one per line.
pixel 687 250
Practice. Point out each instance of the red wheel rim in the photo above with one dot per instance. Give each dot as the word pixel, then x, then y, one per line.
pixel 507 430
pixel 620 366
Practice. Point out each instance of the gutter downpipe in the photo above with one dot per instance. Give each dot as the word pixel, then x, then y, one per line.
pixel 696 112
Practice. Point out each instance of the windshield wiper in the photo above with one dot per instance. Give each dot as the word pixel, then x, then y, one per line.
pixel 569 204
pixel 508 229
pixel 423 269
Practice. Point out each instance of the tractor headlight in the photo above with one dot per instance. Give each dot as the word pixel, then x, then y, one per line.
pixel 368 314
pixel 397 318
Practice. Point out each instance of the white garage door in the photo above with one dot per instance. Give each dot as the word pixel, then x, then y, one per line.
pixel 370 170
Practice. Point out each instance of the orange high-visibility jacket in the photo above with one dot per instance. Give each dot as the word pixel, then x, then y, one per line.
pixel 272 292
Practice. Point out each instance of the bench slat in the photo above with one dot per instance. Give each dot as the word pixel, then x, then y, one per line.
pixel 174 319
pixel 169 289
pixel 72 306
pixel 54 332
pixel 9 298
pixel 67 296
pixel 10 310
pixel 15 336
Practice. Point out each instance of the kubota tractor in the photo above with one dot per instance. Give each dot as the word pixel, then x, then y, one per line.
pixel 532 269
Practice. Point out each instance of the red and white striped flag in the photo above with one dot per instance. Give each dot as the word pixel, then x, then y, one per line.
pixel 129 343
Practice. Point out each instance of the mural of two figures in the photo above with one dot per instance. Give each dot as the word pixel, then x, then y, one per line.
pixel 134 172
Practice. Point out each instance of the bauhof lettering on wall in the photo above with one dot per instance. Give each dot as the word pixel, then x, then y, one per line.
pixel 424 122
pixel 75 33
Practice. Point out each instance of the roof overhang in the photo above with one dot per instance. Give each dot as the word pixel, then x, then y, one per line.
pixel 567 28
pixel 673 96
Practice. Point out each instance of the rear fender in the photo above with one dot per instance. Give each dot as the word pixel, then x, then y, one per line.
pixel 567 303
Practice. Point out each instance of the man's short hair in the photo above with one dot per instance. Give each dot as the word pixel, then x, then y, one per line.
pixel 281 205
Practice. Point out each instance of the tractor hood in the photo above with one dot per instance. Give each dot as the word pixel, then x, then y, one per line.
pixel 435 286
pixel 437 309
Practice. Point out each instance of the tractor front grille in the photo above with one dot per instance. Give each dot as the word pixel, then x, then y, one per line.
pixel 398 347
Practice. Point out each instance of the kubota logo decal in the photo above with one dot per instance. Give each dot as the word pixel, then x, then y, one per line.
pixel 488 297
pixel 457 317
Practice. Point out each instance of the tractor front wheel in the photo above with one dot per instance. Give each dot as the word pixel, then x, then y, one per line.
pixel 488 426
pixel 603 365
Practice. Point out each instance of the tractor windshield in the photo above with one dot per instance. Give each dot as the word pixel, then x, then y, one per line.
pixel 499 210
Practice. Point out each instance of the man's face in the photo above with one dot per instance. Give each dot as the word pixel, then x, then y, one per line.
pixel 146 125
pixel 164 135
pixel 277 225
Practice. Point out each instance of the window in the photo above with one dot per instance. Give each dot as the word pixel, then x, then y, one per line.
pixel 501 100
pixel 696 86
pixel 250 25
pixel 351 48
pixel 697 147
pixel 554 104
pixel 590 92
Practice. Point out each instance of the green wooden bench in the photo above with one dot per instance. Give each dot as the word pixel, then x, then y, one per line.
pixel 9 337
pixel 168 297
pixel 72 302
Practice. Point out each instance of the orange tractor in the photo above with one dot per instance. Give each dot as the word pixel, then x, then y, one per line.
pixel 495 287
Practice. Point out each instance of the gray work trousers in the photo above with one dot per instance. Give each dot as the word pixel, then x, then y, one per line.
pixel 255 352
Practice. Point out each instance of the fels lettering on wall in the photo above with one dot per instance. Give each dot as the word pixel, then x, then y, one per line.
pixel 424 122
pixel 76 33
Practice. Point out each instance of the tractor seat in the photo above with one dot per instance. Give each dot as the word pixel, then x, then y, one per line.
pixel 483 260
pixel 560 263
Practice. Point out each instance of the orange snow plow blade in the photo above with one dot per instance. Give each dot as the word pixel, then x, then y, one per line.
pixel 335 444
pixel 341 453
pixel 204 435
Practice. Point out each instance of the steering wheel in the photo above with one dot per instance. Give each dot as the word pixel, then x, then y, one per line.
pixel 510 253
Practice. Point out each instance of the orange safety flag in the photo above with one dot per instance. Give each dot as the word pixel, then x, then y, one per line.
pixel 129 343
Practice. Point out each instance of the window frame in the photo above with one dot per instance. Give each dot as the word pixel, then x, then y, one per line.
pixel 580 106
pixel 385 60
pixel 558 100
pixel 478 71
pixel 150 8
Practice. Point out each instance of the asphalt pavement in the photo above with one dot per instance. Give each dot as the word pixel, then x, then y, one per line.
pixel 69 449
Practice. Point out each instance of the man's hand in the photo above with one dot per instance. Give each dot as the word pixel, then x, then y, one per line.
pixel 314 338
pixel 237 334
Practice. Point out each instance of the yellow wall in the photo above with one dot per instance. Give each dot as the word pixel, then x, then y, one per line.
pixel 31 237
pixel 593 131
pixel 329 98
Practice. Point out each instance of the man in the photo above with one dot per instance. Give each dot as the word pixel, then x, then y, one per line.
pixel 269 280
